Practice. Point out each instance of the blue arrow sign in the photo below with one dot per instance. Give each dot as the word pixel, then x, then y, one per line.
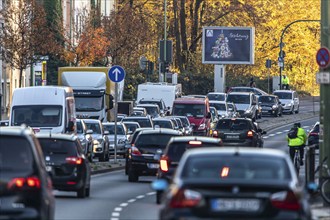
pixel 116 73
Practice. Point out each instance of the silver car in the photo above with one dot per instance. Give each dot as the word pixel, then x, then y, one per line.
pixel 85 138
pixel 121 137
pixel 289 100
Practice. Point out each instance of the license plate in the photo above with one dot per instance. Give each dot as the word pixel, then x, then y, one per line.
pixel 48 168
pixel 153 165
pixel 224 205
pixel 232 136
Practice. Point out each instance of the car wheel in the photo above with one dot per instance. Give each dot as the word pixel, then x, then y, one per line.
pixel 292 110
pixel 132 177
pixel 297 111
pixel 81 193
pixel 158 196
pixel 107 157
pixel 102 157
pixel 87 191
pixel 126 167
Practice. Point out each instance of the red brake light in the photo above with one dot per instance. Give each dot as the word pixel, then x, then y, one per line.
pixel 185 198
pixel 215 133
pixel 74 160
pixel 313 134
pixel 224 172
pixel 19 183
pixel 285 200
pixel 135 151
pixel 249 134
pixel 164 164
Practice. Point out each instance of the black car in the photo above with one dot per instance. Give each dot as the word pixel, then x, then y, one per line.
pixel 271 105
pixel 239 132
pixel 66 163
pixel 143 157
pixel 25 188
pixel 313 135
pixel 235 183
pixel 174 151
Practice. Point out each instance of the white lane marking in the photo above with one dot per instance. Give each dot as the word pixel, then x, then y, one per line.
pixel 118 209
pixel 116 214
pixel 131 200
pixel 151 193
pixel 271 135
pixel 124 204
pixel 280 132
pixel 140 197
pixel 285 130
pixel 114 219
pixel 265 137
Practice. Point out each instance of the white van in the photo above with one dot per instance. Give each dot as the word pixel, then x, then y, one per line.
pixel 44 108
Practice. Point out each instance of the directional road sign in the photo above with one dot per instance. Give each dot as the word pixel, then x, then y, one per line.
pixel 116 73
pixel 323 57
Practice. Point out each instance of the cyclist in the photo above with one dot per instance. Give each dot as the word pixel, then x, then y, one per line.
pixel 299 141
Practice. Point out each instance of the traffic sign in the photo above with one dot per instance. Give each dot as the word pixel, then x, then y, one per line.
pixel 323 57
pixel 116 73
pixel 323 78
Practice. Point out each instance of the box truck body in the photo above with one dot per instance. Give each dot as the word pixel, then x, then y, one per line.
pixel 91 87
pixel 166 91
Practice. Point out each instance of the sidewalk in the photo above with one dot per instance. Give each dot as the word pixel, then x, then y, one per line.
pixel 319 210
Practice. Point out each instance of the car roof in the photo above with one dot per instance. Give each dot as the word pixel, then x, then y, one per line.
pixel 196 138
pixel 268 95
pixel 88 120
pixel 136 117
pixel 283 90
pixel 161 119
pixel 160 131
pixel 112 123
pixel 67 137
pixel 16 130
pixel 130 122
pixel 146 105
pixel 240 93
pixel 218 102
pixel 235 119
pixel 239 150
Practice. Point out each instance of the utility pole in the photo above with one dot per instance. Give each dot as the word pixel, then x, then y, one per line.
pixel 165 38
pixel 325 90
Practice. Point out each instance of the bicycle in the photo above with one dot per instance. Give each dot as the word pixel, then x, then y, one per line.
pixel 325 185
pixel 296 159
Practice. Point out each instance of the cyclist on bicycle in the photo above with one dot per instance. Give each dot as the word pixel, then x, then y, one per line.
pixel 297 142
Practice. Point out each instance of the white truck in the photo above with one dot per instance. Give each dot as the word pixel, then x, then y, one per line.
pixel 166 91
pixel 93 91
pixel 48 109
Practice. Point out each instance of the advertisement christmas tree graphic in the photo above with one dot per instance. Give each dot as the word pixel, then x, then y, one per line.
pixel 221 48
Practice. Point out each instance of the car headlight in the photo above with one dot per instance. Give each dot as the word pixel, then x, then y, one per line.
pixel 202 126
pixel 248 111
pixel 274 107
pixel 121 141
pixel 290 104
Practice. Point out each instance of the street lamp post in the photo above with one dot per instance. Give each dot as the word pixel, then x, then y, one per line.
pixel 281 55
pixel 165 38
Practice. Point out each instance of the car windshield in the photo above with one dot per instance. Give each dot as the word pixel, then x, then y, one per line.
pixel 197 110
pixel 243 168
pixel 284 95
pixel 143 122
pixel 51 146
pixel 94 126
pixel 87 103
pixel 217 97
pixel 185 121
pixel 152 140
pixel 163 124
pixel 131 127
pixel 238 99
pixel 111 129
pixel 37 115
pixel 151 102
pixel 267 99
pixel 233 125
pixel 219 106
pixel 15 155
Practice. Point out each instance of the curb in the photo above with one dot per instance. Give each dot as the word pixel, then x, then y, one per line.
pixel 106 170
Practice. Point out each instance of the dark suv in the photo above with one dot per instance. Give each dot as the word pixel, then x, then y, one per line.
pixel 66 163
pixel 174 151
pixel 25 188
pixel 239 132
pixel 143 157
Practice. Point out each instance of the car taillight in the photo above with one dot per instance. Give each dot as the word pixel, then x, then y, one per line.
pixel 185 198
pixel 135 151
pixel 74 160
pixel 24 183
pixel 195 142
pixel 285 200
pixel 313 134
pixel 215 134
pixel 249 134
pixel 164 164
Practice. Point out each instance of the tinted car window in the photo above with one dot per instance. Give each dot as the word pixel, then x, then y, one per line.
pixel 233 125
pixel 95 127
pixel 236 167
pixel 219 106
pixel 284 95
pixel 189 109
pixel 60 147
pixel 163 124
pixel 111 129
pixel 143 122
pixel 19 158
pixel 270 99
pixel 218 97
pixel 238 99
pixel 152 140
